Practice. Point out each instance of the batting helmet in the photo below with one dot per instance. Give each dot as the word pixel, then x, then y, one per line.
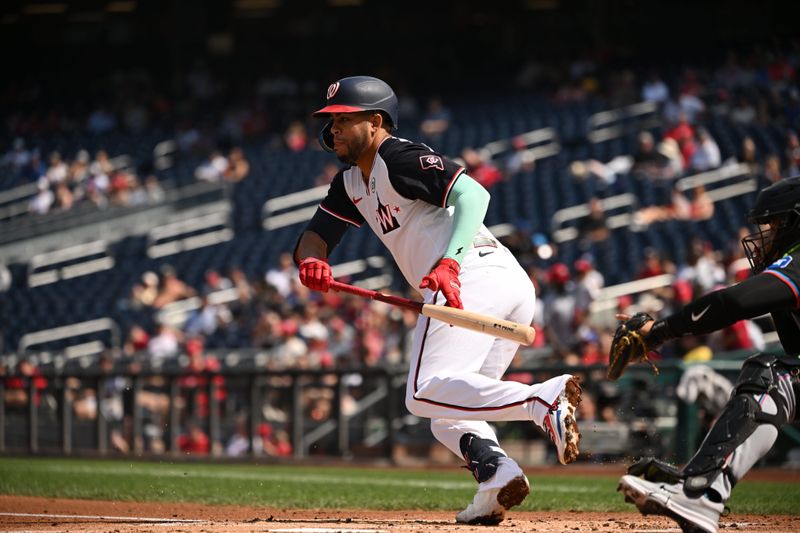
pixel 360 93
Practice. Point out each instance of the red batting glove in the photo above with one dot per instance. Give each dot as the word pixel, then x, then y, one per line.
pixel 315 274
pixel 444 277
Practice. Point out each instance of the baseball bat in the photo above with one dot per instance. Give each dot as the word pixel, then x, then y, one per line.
pixel 521 333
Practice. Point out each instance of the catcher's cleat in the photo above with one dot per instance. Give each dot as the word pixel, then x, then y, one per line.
pixel 507 488
pixel 560 423
pixel 693 515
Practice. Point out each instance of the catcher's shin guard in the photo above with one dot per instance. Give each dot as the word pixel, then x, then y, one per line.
pixel 740 423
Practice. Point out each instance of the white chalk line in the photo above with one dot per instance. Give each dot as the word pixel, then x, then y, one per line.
pixel 101 517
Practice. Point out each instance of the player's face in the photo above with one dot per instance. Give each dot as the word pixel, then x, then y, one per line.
pixel 351 135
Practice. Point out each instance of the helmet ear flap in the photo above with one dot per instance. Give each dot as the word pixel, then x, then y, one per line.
pixel 326 137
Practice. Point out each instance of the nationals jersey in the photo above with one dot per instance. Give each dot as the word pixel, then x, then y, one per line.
pixel 404 201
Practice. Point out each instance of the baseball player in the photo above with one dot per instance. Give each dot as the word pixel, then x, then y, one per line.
pixel 765 395
pixel 429 214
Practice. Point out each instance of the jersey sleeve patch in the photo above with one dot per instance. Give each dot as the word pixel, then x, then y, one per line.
pixel 431 161
pixel 417 172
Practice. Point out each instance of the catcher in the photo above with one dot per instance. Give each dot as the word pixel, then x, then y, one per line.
pixel 765 395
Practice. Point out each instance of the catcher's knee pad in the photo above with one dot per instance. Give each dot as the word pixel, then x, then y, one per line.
pixel 738 421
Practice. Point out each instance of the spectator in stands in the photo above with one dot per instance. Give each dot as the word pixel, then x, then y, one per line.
pixel 165 342
pixel 652 265
pixel 64 199
pixel 588 284
pixel 172 288
pixel 435 121
pixel 480 169
pixel 155 193
pixel 750 156
pixel 194 441
pixel 238 444
pixel 648 162
pixel 296 137
pixel 144 294
pixel 214 282
pixel 238 166
pixel 670 149
pixel 283 275
pixel 703 268
pixel 792 153
pixel 17 158
pixel 772 172
pixel 16 385
pixel 213 169
pixel 326 175
pixel 34 169
pixel 559 311
pixel 654 89
pixel 593 227
pixel 707 155
pixel 44 199
pixel 207 318
pixel 101 121
pixel 683 134
pixel 743 113
pixel 521 158
pixel 58 170
pixel 137 341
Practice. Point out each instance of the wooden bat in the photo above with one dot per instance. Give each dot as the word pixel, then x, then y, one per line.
pixel 521 333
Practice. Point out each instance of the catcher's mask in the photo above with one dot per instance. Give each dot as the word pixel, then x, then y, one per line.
pixel 777 214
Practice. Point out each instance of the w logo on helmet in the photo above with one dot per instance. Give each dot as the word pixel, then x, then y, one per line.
pixel 332 89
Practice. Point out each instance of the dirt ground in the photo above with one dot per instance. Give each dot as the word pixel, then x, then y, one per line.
pixel 45 514
pixel 28 514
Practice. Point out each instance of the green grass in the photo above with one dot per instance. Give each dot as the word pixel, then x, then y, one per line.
pixel 327 487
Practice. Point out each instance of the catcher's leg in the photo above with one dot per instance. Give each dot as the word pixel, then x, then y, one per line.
pixel 764 399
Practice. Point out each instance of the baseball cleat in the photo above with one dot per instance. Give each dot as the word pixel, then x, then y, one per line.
pixel 560 423
pixel 507 488
pixel 693 515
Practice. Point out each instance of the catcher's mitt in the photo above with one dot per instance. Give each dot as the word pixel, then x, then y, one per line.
pixel 629 346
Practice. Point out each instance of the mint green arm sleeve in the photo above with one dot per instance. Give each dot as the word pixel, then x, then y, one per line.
pixel 470 200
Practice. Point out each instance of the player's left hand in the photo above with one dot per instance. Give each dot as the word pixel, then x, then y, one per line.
pixel 444 277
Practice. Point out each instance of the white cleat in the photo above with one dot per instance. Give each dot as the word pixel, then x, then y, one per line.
pixel 694 515
pixel 561 425
pixel 507 488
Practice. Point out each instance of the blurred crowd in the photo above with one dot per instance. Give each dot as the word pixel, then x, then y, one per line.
pixel 299 329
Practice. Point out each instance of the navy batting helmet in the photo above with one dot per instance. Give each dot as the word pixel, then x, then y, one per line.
pixel 361 93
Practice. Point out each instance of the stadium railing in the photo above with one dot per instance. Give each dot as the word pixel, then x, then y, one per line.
pixel 334 412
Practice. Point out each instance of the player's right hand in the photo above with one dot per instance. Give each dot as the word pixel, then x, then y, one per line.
pixel 315 274
pixel 444 277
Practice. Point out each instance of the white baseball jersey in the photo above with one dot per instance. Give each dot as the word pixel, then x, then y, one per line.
pixel 404 201
pixel 454 373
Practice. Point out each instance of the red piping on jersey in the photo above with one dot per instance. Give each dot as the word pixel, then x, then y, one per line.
pixel 784 278
pixel 340 217
pixel 462 407
pixel 450 186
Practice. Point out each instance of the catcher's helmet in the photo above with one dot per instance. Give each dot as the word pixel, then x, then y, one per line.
pixel 357 93
pixel 779 206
